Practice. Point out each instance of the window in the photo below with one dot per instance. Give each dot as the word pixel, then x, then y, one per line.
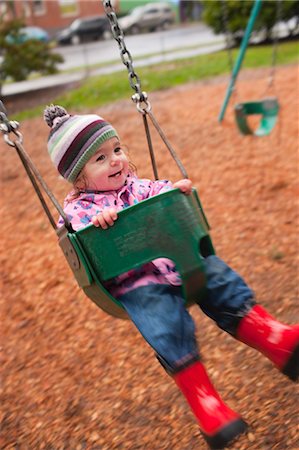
pixel 39 7
pixel 26 8
pixel 69 7
pixel 3 8
pixel 152 11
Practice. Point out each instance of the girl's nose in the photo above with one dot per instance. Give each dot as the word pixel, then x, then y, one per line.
pixel 114 160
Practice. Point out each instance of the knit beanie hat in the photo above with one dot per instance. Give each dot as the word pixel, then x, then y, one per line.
pixel 73 140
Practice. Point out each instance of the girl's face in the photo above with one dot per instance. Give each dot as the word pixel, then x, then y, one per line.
pixel 107 169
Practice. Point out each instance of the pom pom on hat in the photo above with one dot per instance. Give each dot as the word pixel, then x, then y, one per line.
pixel 53 112
pixel 74 139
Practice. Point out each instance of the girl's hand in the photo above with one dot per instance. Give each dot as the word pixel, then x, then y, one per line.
pixel 184 186
pixel 105 219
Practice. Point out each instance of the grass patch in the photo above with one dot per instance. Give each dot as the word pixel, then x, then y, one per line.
pixel 100 90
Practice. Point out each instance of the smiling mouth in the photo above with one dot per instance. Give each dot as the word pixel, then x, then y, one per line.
pixel 115 175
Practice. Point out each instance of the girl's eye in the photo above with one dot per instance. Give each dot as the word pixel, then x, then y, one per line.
pixel 117 150
pixel 100 158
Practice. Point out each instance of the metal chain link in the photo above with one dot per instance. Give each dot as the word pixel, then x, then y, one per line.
pixel 227 34
pixel 139 97
pixel 11 126
pixel 275 43
pixel 228 41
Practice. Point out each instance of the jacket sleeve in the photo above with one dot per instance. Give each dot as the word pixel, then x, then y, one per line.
pixel 160 186
pixel 79 212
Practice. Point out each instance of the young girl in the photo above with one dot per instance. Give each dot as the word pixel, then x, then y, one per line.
pixel 87 151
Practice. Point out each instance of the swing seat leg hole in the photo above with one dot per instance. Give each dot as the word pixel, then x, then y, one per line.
pixel 205 247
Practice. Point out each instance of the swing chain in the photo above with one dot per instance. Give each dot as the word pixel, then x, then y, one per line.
pixel 139 97
pixel 227 34
pixel 229 41
pixel 275 43
pixel 9 126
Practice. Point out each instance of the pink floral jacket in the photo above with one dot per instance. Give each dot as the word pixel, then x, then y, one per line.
pixel 89 203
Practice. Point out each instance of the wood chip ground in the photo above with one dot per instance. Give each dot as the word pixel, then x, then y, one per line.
pixel 73 378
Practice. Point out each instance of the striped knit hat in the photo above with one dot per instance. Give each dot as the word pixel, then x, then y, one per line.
pixel 74 139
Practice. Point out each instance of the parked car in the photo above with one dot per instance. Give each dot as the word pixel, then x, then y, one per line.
pixel 149 17
pixel 28 33
pixel 85 29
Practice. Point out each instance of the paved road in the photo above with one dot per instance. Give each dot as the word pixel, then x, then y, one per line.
pixel 139 45
pixel 150 48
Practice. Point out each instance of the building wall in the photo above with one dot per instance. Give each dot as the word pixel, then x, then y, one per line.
pixel 52 15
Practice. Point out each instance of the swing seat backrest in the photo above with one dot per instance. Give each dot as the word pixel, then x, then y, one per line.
pixel 170 225
pixel 268 110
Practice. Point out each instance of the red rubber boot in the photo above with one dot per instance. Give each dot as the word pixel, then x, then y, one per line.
pixel 219 424
pixel 279 342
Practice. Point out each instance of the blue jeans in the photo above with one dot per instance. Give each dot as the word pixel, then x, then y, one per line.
pixel 159 313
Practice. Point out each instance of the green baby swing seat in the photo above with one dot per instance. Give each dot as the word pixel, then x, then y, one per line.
pixel 267 108
pixel 171 225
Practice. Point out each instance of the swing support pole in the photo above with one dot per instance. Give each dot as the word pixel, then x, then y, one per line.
pixel 244 44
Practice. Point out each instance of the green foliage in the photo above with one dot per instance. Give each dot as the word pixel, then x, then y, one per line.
pixel 20 59
pixel 232 15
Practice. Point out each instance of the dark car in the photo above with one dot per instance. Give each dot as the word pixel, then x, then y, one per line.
pixel 85 29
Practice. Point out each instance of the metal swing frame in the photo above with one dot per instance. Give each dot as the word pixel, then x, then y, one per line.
pixel 170 225
pixel 267 108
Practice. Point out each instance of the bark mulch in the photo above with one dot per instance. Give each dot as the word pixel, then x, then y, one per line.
pixel 74 378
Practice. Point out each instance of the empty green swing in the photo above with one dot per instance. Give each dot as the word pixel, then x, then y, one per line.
pixel 267 108
pixel 170 225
